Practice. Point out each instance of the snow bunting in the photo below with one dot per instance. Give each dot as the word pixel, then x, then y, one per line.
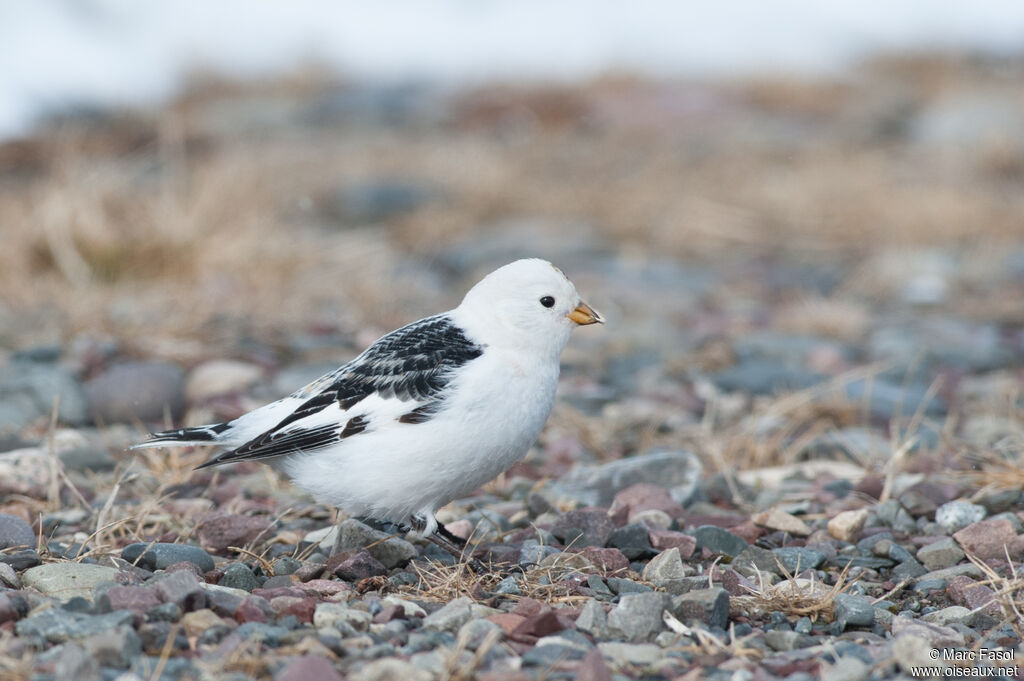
pixel 427 413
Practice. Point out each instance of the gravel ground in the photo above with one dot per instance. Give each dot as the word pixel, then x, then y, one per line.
pixel 770 464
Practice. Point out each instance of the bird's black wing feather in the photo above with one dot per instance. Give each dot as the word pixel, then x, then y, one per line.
pixel 413 364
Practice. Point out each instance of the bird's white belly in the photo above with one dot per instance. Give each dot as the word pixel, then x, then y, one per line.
pixel 397 469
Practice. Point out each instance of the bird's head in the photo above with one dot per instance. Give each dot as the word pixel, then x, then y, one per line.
pixel 529 303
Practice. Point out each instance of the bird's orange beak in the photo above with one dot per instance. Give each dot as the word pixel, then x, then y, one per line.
pixel 584 314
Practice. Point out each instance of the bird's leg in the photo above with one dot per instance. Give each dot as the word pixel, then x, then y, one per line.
pixel 448 542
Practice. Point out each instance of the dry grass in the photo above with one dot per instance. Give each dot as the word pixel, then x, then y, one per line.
pixel 794 596
pixel 1009 591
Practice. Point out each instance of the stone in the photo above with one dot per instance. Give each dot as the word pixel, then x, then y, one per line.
pixel 508 586
pixel 992 538
pixel 637 617
pixel 706 606
pixel 609 561
pixel 160 555
pixel 777 519
pixel 238 576
pixel 668 539
pixel 593 619
pixel 316 668
pixel 137 598
pixel 754 561
pixel 622 655
pixel 783 640
pixel 846 668
pixel 850 610
pixel 665 566
pixel 963 590
pixel 796 559
pixel 718 540
pixel 143 391
pixel 56 625
pixel 117 646
pixel 678 471
pixel 473 633
pixel 379 200
pixel 8 577
pixel 644 496
pixel 847 525
pixel 935 635
pixel 947 616
pixel 220 531
pixel 633 540
pixel 583 527
pixel 940 554
pixel 956 515
pixel 331 614
pixel 388 550
pixel 74 664
pixel 353 566
pixel 28 391
pixel 218 377
pixel 15 532
pixel 68 580
pixel 198 621
pixel 593 667
pixel 450 617
pixel 182 588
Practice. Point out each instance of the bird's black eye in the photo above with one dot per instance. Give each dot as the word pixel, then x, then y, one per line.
pixel 547 301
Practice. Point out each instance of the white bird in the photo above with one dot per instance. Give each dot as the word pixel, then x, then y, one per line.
pixel 427 413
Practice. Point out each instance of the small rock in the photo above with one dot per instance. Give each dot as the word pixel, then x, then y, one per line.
pixel 847 668
pixel 593 619
pixel 143 391
pixel 718 540
pixel 330 614
pixel 8 577
pixel 473 633
pixel 593 668
pixel 390 551
pixel 508 586
pixel 220 531
pixel 667 565
pixel 940 554
pixel 238 576
pixel 182 588
pixel 946 616
pixel 679 471
pixel 198 621
pixel 936 636
pixel 450 617
pixel 353 566
pixel 74 664
pixel 633 540
pixel 777 519
pixel 609 561
pixel 644 496
pixel 160 556
pixel 220 377
pixel 15 532
pixel 625 654
pixel 316 668
pixel 668 539
pixel 707 606
pixel 29 389
pixel 115 647
pixel 637 617
pixel 796 559
pixel 583 527
pixel 956 515
pixel 68 580
pixel 57 625
pixel 993 538
pixel 965 591
pixel 850 610
pixel 137 598
pixel 847 525
pixel 782 640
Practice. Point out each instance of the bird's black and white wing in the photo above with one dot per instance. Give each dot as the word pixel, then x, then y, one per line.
pixel 401 379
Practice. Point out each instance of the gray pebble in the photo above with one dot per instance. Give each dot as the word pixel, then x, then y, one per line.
pixel 719 540
pixel 159 555
pixel 853 611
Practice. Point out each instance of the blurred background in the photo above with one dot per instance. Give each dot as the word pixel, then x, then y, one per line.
pixel 203 206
